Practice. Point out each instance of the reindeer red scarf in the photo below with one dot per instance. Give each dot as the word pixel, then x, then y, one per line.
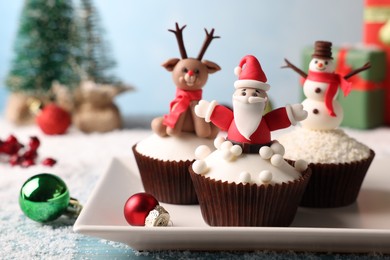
pixel 180 104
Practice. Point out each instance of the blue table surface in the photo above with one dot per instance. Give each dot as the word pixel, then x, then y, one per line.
pixel 93 248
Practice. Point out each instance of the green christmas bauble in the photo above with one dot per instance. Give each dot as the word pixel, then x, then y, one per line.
pixel 44 197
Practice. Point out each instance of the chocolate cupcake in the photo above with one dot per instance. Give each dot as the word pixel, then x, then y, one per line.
pixel 338 162
pixel 163 165
pixel 237 189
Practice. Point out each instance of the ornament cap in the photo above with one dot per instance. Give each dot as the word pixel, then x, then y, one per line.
pixel 74 208
pixel 158 217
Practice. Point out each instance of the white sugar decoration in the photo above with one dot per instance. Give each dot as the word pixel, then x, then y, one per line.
pixel 265 152
pixel 245 177
pixel 277 160
pixel 226 145
pixel 236 150
pixel 300 165
pixel 265 176
pixel 202 152
pixel 227 155
pixel 277 148
pixel 199 167
pixel 218 141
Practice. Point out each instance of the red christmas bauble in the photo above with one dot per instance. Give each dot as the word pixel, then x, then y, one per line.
pixel 53 120
pixel 137 208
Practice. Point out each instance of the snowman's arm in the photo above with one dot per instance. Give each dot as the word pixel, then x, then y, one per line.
pixel 358 70
pixel 294 68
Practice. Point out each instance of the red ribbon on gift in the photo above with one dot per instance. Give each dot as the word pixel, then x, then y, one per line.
pixel 358 83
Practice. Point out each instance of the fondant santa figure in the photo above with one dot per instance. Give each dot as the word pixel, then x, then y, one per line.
pixel 246 125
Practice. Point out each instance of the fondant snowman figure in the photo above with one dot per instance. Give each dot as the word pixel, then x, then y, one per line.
pixel 321 88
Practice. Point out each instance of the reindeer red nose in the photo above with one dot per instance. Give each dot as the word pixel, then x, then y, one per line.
pixel 190 73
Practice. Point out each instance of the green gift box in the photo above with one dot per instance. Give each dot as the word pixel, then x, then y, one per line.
pixel 364 107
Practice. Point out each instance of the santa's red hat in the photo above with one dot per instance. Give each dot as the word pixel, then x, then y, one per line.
pixel 251 75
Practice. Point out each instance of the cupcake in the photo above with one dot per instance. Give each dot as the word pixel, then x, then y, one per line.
pixel 163 165
pixel 339 163
pixel 163 158
pixel 240 189
pixel 246 181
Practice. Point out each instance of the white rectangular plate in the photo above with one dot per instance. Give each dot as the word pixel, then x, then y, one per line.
pixel 361 227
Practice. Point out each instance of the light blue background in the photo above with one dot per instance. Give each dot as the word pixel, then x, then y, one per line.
pixel 140 42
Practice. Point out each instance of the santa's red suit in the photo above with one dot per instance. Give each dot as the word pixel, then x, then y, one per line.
pixel 223 118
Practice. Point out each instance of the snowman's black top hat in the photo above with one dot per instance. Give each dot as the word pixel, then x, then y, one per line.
pixel 323 50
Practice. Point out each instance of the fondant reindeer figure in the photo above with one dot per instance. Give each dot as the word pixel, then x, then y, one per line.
pixel 189 75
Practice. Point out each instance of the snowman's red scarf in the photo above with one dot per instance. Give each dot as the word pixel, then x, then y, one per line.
pixel 334 81
pixel 180 105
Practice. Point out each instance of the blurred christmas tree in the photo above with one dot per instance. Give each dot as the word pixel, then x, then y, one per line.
pixel 95 61
pixel 46 47
pixel 59 47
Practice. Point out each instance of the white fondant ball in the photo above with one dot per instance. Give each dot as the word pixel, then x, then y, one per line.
pixel 300 165
pixel 277 160
pixel 245 177
pixel 202 152
pixel 218 141
pixel 226 145
pixel 199 167
pixel 277 148
pixel 265 176
pixel 265 152
pixel 226 155
pixel 236 150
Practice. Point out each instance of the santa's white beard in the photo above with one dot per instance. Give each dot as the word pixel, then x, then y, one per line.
pixel 247 115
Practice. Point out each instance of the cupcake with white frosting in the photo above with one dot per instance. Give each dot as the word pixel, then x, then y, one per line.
pixel 246 181
pixel 241 189
pixel 163 165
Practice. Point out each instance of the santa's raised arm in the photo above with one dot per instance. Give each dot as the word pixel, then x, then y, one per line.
pixel 246 125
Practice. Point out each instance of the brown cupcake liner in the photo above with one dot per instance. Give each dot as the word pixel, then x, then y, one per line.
pixel 167 181
pixel 335 185
pixel 230 204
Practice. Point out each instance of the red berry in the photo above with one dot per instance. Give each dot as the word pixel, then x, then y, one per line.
pixel 34 143
pixel 27 163
pixel 49 162
pixel 14 160
pixel 30 154
pixel 11 139
pixel 53 120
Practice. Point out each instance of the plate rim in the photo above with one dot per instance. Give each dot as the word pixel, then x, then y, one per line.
pixel 376 235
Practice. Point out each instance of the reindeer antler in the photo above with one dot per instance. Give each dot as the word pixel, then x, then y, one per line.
pixel 179 36
pixel 209 37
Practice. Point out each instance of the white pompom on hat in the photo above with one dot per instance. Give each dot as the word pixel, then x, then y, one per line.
pixel 251 75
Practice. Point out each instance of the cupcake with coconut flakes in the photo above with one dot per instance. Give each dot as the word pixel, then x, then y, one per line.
pixel 339 163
